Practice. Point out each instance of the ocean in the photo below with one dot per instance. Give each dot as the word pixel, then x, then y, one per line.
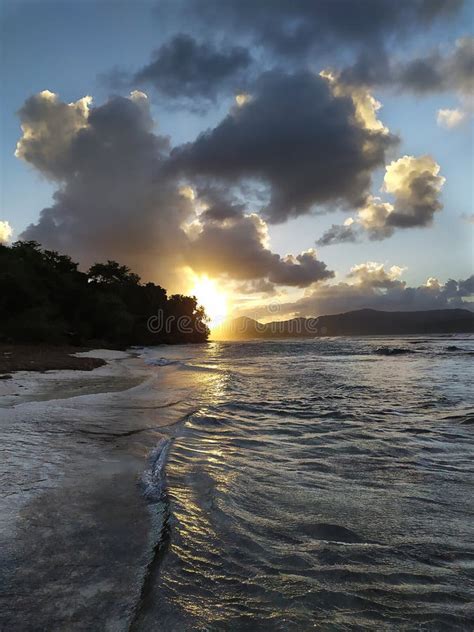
pixel 293 485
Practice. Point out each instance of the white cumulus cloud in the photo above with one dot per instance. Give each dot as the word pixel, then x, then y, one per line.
pixel 6 231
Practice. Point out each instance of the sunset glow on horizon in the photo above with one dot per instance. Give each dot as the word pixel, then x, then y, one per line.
pixel 212 298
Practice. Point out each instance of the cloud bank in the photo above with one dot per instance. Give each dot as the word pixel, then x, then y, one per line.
pixel 295 30
pixel 371 285
pixel 297 141
pixel 184 68
pixel 111 199
pixel 117 197
pixel 296 136
pixel 237 246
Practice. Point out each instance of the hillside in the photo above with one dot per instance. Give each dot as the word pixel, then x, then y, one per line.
pixel 363 322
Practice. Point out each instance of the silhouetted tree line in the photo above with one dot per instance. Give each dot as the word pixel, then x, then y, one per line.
pixel 45 298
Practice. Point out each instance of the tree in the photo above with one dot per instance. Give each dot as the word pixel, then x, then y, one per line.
pixel 112 272
pixel 44 297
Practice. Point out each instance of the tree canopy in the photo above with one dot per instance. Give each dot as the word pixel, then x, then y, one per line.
pixel 44 297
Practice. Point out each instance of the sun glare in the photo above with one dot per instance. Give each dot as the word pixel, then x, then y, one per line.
pixel 212 298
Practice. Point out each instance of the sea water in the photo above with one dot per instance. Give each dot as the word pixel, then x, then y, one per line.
pixel 296 485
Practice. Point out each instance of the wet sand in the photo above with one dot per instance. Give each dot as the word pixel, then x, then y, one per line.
pixel 43 358
pixel 77 534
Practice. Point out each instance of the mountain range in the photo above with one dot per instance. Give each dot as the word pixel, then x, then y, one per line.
pixel 362 322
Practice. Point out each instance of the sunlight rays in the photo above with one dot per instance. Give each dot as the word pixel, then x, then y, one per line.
pixel 212 298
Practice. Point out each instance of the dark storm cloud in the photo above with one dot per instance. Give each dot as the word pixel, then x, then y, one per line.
pixel 112 201
pixel 219 204
pixel 296 28
pixel 115 199
pixel 300 271
pixel 186 68
pixel 49 128
pixel 422 75
pixel 434 72
pixel 235 244
pixel 197 63
pixel 368 70
pixel 294 135
pixel 261 286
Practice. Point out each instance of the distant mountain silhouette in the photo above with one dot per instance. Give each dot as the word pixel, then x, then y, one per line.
pixel 362 322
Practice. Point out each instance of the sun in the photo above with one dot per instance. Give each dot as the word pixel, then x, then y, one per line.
pixel 212 298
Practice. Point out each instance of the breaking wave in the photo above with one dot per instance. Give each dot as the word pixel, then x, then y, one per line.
pixel 153 479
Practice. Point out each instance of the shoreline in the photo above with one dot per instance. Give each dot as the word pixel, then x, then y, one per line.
pixel 91 446
pixel 88 455
pixel 40 358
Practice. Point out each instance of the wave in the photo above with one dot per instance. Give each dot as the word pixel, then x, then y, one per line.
pixel 179 364
pixel 202 368
pixel 459 351
pixel 296 419
pixel 332 533
pixel 392 351
pixel 161 362
pixel 153 487
pixel 421 341
pixel 465 418
pixel 153 478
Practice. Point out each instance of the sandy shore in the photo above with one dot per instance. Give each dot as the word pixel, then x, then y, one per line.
pixel 76 531
pixel 44 358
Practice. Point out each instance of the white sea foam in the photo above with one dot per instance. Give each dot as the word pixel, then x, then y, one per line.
pixel 153 479
pixel 160 362
pixel 104 354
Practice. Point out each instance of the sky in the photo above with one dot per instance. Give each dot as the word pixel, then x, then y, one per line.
pixel 282 158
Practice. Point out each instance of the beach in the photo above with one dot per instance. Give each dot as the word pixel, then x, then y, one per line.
pixel 237 316
pixel 43 358
pixel 77 532
pixel 224 486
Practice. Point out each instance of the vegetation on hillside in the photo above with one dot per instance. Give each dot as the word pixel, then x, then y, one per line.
pixel 44 298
